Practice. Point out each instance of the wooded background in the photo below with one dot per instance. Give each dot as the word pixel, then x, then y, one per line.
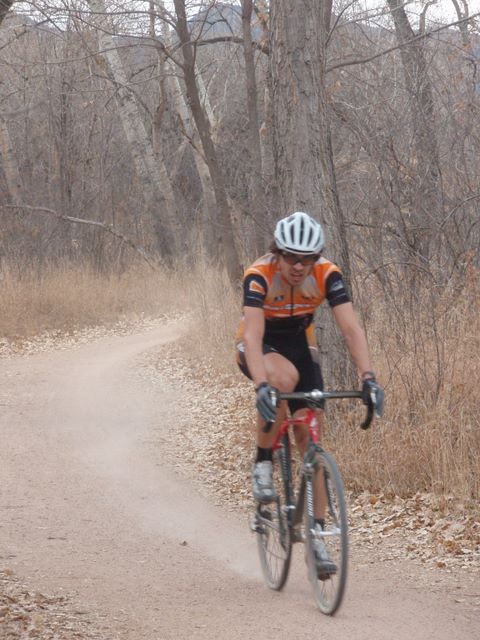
pixel 179 129
pixel 169 122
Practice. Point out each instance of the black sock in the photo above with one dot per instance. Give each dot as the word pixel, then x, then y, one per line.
pixel 321 522
pixel 264 454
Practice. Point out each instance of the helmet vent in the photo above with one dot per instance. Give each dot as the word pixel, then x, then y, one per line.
pixel 299 233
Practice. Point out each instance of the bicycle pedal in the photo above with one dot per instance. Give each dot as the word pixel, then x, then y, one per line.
pixel 256 527
pixel 298 536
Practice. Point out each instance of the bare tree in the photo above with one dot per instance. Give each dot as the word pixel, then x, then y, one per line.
pixel 425 200
pixel 302 136
pixel 184 119
pixel 257 202
pixel 7 153
pixel 149 165
pixel 342 137
pixel 9 164
pixel 225 240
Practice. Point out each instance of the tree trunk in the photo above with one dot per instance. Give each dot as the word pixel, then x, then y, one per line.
pixel 425 193
pixel 257 204
pixel 302 142
pixel 208 195
pixel 150 169
pixel 9 164
pixel 272 194
pixel 188 127
pixel 224 236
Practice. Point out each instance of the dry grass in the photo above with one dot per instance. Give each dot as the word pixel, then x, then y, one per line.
pixel 216 308
pixel 68 296
pixel 427 352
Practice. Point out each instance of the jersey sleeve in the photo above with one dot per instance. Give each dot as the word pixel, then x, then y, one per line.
pixel 254 290
pixel 336 290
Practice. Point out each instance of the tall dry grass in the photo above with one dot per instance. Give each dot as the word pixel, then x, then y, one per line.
pixel 215 307
pixel 69 296
pixel 426 349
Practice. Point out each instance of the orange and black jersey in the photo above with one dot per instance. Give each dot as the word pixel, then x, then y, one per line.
pixel 289 309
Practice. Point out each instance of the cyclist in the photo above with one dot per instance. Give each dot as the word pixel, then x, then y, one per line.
pixel 276 345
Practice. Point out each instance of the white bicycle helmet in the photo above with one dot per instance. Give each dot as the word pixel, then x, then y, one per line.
pixel 299 233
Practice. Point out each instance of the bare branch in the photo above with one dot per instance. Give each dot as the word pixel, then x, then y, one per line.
pixel 401 263
pixel 189 138
pixel 102 225
pixel 423 16
pixel 263 47
pixel 5 8
pixel 337 21
pixel 356 61
pixel 475 196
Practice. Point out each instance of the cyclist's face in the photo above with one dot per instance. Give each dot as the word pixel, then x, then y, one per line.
pixel 295 267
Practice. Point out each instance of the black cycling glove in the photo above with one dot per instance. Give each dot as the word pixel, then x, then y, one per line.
pixel 266 401
pixel 373 395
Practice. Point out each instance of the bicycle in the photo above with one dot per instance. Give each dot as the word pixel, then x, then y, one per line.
pixel 278 524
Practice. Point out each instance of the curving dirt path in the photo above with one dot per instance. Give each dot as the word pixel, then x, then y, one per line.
pixel 88 507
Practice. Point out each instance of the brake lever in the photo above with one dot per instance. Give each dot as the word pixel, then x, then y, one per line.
pixel 378 402
pixel 368 420
pixel 375 407
pixel 274 398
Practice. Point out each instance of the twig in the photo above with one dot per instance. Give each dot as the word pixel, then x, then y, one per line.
pixel 95 223
pixel 421 36
pixel 474 196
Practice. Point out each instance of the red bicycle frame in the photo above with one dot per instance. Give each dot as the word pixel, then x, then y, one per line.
pixel 309 420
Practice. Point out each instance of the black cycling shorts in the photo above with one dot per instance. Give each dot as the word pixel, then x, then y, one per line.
pixel 300 355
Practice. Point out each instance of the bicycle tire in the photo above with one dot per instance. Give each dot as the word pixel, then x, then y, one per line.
pixel 272 523
pixel 328 591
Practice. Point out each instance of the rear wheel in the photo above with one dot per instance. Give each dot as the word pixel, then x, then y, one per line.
pixel 272 523
pixel 328 588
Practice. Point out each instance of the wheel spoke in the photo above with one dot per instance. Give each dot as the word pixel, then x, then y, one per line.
pixel 273 533
pixel 329 589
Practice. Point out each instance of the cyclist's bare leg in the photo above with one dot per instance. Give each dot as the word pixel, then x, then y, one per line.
pixel 282 375
pixel 301 438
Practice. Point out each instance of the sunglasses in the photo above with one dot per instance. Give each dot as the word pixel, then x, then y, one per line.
pixel 293 258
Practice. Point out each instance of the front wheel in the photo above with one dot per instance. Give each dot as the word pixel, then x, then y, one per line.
pixel 325 486
pixel 272 524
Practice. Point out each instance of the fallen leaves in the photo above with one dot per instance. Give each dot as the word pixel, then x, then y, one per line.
pixel 60 340
pixel 434 529
pixel 27 614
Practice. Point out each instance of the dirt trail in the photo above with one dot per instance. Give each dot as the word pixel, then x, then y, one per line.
pixel 88 507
